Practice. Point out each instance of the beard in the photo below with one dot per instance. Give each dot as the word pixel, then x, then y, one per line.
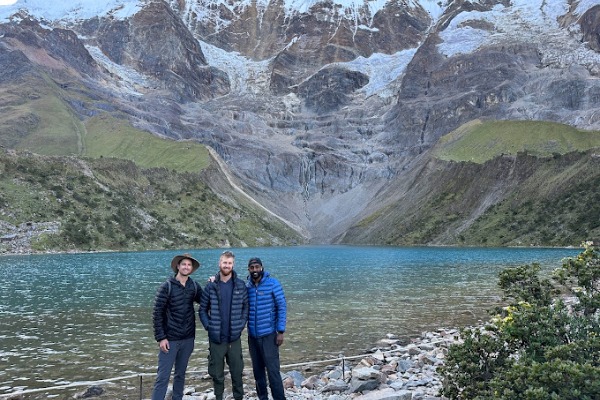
pixel 256 275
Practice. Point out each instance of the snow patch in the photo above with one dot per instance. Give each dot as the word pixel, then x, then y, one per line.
pixel 382 69
pixel 533 18
pixel 245 75
pixel 129 78
pixel 72 10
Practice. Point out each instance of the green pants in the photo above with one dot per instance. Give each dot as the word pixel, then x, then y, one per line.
pixel 232 353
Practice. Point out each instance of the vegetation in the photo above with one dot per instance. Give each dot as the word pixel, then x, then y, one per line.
pixel 544 345
pixel 508 201
pixel 480 141
pixel 110 137
pixel 494 183
pixel 560 219
pixel 40 118
pixel 112 204
pixel 37 117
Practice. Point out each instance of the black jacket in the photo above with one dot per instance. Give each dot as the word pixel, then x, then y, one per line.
pixel 209 309
pixel 174 317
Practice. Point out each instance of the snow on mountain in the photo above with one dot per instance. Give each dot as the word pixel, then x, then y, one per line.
pixel 244 74
pixel 129 79
pixel 72 10
pixel 585 5
pixel 85 9
pixel 537 19
pixel 521 17
pixel 382 70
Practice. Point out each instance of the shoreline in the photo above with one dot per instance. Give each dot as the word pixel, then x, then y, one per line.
pixel 390 370
pixel 31 252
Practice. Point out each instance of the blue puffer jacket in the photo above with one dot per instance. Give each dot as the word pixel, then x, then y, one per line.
pixel 173 316
pixel 268 309
pixel 209 309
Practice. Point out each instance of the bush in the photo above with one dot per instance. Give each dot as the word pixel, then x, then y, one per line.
pixel 545 344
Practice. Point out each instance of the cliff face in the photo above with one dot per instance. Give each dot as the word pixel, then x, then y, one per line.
pixel 317 107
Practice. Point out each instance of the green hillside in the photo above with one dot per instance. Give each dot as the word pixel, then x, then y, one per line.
pixel 109 137
pixel 79 204
pixel 39 117
pixel 479 141
pixel 508 201
pixel 34 116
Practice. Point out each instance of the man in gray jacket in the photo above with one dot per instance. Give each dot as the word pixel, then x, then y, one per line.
pixel 224 313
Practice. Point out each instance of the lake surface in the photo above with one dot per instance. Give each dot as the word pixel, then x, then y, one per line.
pixel 85 317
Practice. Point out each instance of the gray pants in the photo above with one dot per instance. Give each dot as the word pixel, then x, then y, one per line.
pixel 232 353
pixel 178 355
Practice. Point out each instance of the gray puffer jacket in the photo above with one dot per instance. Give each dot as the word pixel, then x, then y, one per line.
pixel 209 309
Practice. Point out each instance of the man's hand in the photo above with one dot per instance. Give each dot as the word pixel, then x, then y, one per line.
pixel 164 345
pixel 279 339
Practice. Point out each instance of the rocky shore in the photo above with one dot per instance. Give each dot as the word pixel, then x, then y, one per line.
pixel 390 371
pixel 16 239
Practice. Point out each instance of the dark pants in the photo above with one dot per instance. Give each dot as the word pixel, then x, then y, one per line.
pixel 232 353
pixel 265 355
pixel 179 354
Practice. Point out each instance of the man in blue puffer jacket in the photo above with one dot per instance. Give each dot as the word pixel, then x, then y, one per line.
pixel 224 313
pixel 266 325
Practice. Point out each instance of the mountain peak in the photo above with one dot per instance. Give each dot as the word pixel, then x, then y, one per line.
pixel 317 108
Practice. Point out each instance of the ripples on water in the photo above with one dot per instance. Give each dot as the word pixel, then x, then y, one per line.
pixel 69 318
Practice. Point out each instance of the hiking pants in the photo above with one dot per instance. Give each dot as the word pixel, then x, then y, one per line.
pixel 265 355
pixel 232 353
pixel 178 355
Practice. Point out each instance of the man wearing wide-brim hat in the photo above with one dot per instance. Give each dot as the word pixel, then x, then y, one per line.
pixel 174 321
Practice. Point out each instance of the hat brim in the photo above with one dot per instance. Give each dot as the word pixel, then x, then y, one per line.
pixel 177 259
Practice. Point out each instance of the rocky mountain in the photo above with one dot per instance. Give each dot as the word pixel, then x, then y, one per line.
pixel 327 113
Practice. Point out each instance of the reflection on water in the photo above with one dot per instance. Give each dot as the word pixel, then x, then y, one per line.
pixel 81 317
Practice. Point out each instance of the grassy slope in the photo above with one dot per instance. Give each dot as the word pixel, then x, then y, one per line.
pixel 500 200
pixel 558 205
pixel 40 119
pixel 481 141
pixel 144 192
pixel 35 116
pixel 110 137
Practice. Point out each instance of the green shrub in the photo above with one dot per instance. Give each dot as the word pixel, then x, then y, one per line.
pixel 544 345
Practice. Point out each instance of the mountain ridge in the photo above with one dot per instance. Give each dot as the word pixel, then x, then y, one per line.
pixel 315 110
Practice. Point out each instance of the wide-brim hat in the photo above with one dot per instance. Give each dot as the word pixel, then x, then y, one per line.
pixel 177 259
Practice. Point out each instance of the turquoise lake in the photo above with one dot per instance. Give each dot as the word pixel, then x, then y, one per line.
pixel 84 317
